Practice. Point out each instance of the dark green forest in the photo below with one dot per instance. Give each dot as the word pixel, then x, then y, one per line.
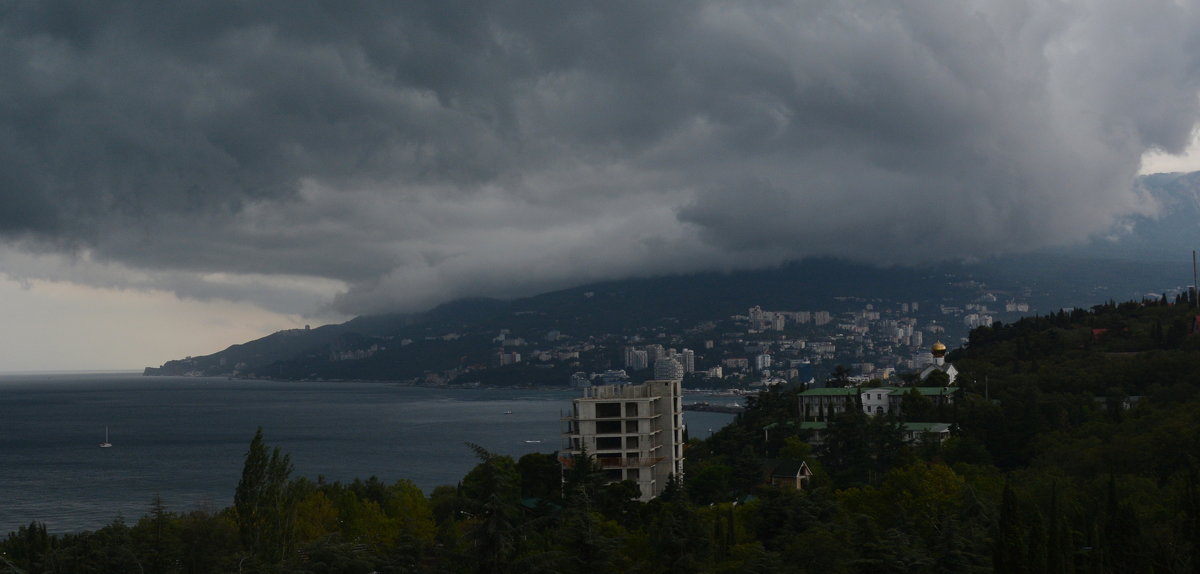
pixel 1074 448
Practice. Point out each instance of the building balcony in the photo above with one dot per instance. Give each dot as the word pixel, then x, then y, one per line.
pixel 647 417
pixel 616 462
pixel 649 435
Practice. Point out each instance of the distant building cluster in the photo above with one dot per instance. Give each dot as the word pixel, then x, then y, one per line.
pixel 663 360
pixel 354 354
pixel 872 338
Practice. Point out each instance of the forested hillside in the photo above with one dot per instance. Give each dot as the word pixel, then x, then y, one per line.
pixel 1074 447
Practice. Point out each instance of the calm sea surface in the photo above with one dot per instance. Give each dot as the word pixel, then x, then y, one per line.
pixel 184 439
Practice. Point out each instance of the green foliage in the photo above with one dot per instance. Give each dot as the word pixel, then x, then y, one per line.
pixel 492 496
pixel 918 407
pixel 936 378
pixel 264 503
pixel 541 476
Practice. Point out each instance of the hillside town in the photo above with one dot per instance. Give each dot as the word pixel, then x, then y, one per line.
pixel 767 347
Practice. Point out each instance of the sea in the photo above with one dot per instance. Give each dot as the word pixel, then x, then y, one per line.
pixel 184 439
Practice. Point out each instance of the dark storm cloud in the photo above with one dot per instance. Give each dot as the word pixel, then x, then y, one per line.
pixel 422 151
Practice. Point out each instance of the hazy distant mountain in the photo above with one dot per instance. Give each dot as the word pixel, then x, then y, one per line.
pixel 1146 256
pixel 463 330
pixel 461 333
pixel 1171 236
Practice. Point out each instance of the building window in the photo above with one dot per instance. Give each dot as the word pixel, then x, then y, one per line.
pixel 608 427
pixel 608 443
pixel 631 409
pixel 631 442
pixel 608 410
pixel 631 426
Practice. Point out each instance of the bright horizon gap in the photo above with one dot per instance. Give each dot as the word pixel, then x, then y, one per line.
pixel 69 328
pixel 1160 162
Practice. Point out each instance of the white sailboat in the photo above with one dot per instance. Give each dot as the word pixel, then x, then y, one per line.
pixel 105 444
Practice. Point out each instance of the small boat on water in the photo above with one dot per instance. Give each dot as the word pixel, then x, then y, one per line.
pixel 105 444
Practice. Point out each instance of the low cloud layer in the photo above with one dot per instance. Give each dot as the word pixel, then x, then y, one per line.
pixel 410 153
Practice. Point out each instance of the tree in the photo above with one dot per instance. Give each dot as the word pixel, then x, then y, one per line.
pixel 915 406
pixel 263 502
pixel 584 477
pixel 1011 554
pixel 412 512
pixel 541 476
pixel 936 378
pixel 28 547
pixel 156 538
pixel 493 496
pixel 841 374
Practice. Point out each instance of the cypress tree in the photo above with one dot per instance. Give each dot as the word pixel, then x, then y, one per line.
pixel 1058 538
pixel 1037 545
pixel 263 503
pixel 1009 551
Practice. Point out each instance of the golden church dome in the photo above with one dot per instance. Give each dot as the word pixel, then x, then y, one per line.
pixel 939 349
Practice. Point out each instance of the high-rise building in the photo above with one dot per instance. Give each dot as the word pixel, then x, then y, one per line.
pixel 636 359
pixel 634 432
pixel 688 359
pixel 666 369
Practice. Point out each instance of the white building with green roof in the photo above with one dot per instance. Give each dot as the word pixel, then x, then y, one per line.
pixel 821 404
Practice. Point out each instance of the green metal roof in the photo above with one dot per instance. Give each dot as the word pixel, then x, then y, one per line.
pixel 925 427
pixel 933 391
pixel 835 392
pixel 908 427
pixel 841 392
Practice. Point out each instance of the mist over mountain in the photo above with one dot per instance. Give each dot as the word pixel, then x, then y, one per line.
pixel 1142 257
pixel 1170 234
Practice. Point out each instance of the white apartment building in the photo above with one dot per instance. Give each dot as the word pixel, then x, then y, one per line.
pixel 668 369
pixel 654 352
pixel 635 432
pixel 688 358
pixel 636 359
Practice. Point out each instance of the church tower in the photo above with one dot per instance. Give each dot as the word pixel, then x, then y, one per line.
pixel 939 353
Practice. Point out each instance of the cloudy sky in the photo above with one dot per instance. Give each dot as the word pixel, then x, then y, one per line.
pixel 177 177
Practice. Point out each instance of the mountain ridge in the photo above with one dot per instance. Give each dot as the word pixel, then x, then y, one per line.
pixel 1149 257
